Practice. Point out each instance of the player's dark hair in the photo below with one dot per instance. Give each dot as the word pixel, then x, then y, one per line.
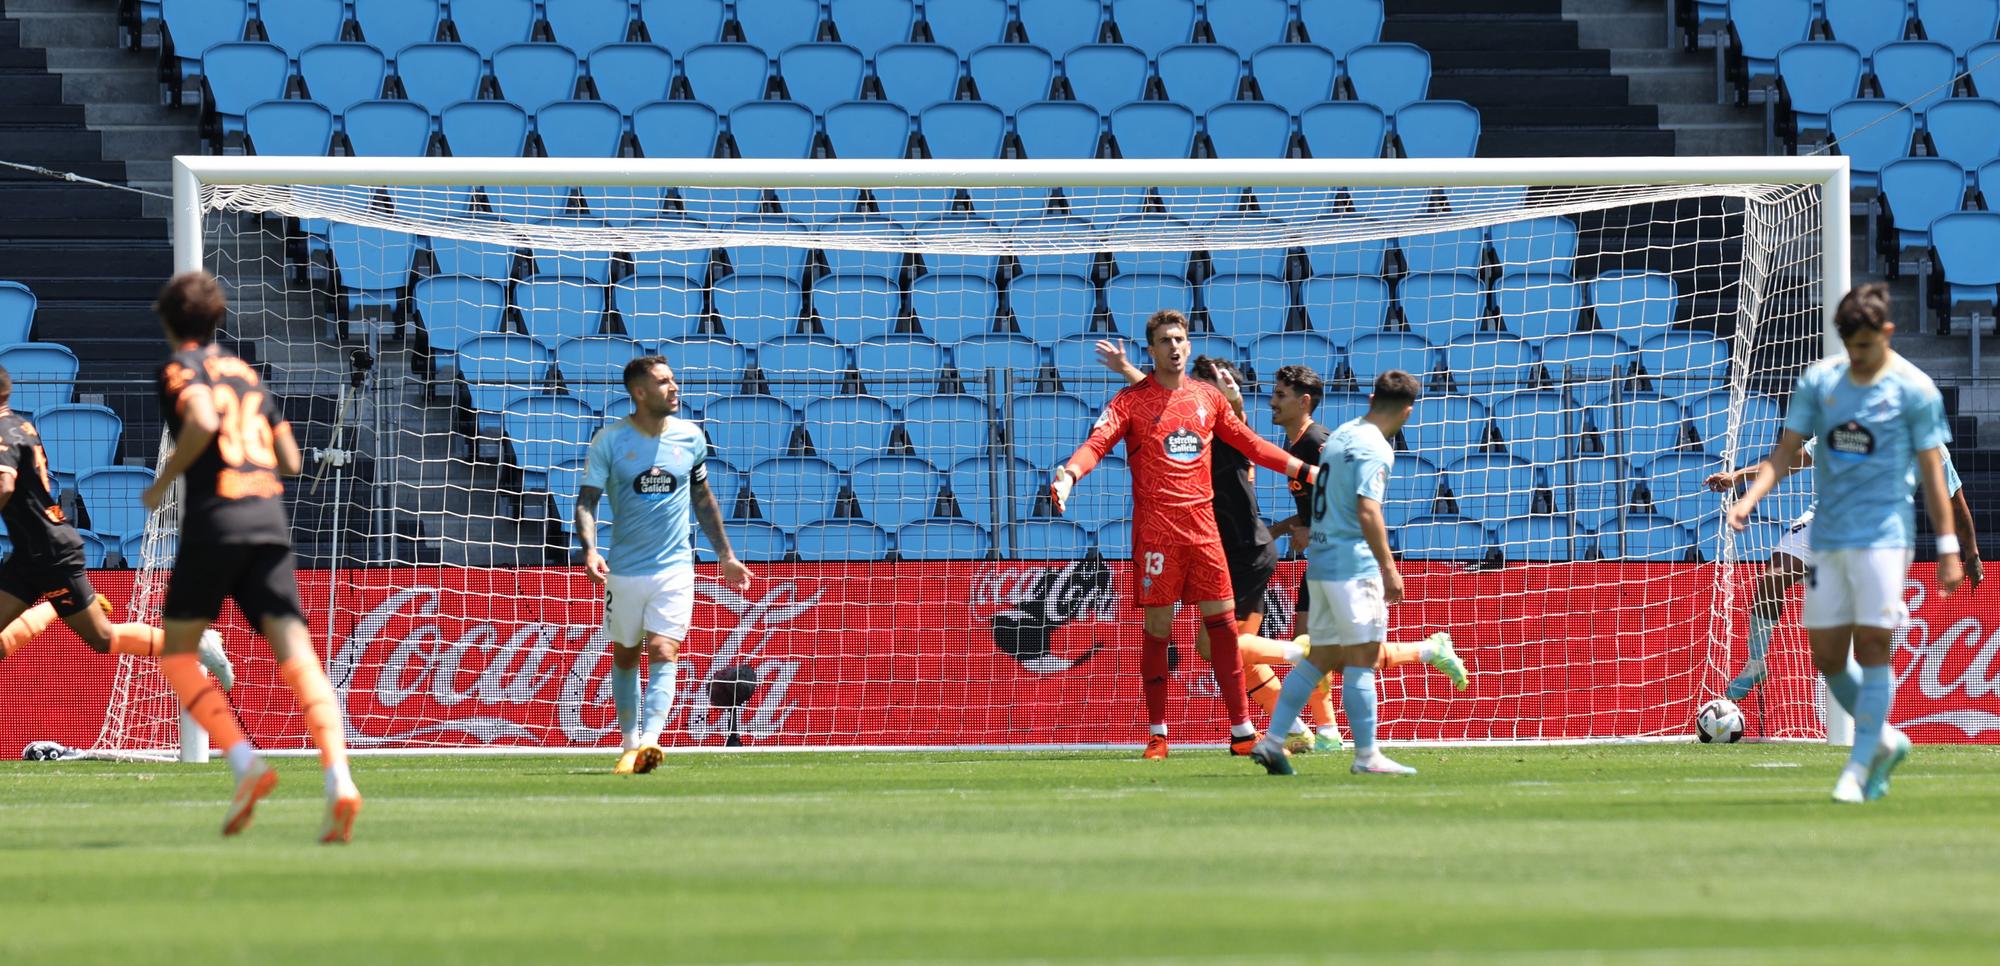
pixel 1395 389
pixel 1162 319
pixel 6 385
pixel 1866 307
pixel 1205 369
pixel 1303 381
pixel 191 305
pixel 642 367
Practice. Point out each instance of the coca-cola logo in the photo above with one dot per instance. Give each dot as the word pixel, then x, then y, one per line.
pixel 1954 665
pixel 1034 602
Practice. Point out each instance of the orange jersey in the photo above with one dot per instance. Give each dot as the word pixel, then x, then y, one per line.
pixel 234 495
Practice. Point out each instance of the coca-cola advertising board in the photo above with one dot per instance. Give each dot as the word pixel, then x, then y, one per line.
pixel 992 653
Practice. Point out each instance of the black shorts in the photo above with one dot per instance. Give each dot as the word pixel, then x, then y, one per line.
pixel 260 576
pixel 1249 577
pixel 65 584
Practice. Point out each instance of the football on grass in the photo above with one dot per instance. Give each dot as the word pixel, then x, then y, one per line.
pixel 1719 721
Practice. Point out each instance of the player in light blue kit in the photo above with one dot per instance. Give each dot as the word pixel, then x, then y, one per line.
pixel 1880 424
pixel 1351 579
pixel 651 463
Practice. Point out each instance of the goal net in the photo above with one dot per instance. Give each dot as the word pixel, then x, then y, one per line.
pixel 888 357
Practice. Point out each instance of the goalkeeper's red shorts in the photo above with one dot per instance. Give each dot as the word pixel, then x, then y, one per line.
pixel 1179 574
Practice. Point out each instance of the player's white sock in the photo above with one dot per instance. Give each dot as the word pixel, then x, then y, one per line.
pixel 1242 729
pixel 1293 653
pixel 659 701
pixel 1160 729
pixel 338 778
pixel 1427 651
pixel 1299 727
pixel 241 756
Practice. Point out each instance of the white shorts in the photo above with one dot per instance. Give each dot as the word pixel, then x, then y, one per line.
pixel 1345 612
pixel 1857 587
pixel 661 603
pixel 1797 541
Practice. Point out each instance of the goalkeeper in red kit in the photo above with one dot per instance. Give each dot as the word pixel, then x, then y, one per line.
pixel 1167 422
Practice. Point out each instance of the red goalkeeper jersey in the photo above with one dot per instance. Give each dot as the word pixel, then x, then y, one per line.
pixel 1168 436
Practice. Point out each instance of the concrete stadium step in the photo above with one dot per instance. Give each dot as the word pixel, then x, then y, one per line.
pixel 1522 87
pixel 53 200
pixel 1578 142
pixel 42 115
pixel 31 89
pixel 37 145
pixel 103 258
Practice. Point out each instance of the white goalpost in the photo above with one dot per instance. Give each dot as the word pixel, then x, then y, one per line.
pixel 888 355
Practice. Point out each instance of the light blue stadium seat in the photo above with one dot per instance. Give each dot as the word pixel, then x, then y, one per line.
pixel 1982 65
pixel 580 129
pixel 871 25
pixel 1132 299
pixel 387 129
pixel 1965 130
pixel 1641 427
pixel 437 76
pixel 841 541
pixel 706 368
pixel 795 490
pixel 1463 250
pixel 1536 246
pixel 17 312
pixel 488 25
pixel 340 75
pixel 1247 24
pixel 946 430
pixel 1372 354
pixel 654 308
pixel 1915 192
pixel 1443 427
pixel 1114 539
pixel 1686 363
pixel 1711 415
pixel 754 541
pixel 373 264
pixel 295 25
pixel 1154 25
pixel 1537 539
pixel 392 25
pixel 1200 77
pixel 1438 129
pixel 485 129
pixel 1344 129
pixel 94 549
pixel 630 76
pixel 1276 262
pixel 1538 425
pixel 1341 25
pixel 868 129
pixel 777 24
pixel 1347 257
pixel 488 260
pixel 1275 350
pixel 1441 538
pixel 1249 130
pixel 1082 375
pixel 800 368
pixel 455 308
pixel 1294 76
pixel 133 549
pixel 288 128
pixel 848 429
pixel 682 25
pixel 856 307
pixel 757 308
pixel 914 75
pixel 1872 132
pixel 1389 76
pixel 943 539
pixel 724 75
pixel 1011 76
pixel 1537 307
pixel 894 490
pixel 499 367
pixel 772 129
pixel 1000 350
pixel 1442 306
pixel 1343 307
pixel 1965 242
pixel 191 27
pixel 1490 361
pixel 747 430
pixel 1913 72
pixel 1057 129
pixel 676 129
pixel 822 75
pixel 1635 304
pixel 1676 482
pixel 239 75
pixel 1242 305
pixel 1591 489
pixel 1061 25
pixel 77 439
pixel 1490 488
pixel 111 499
pixel 535 75
pixel 1753 545
pixel 963 129
pixel 1052 307
pixel 1865 24
pixel 1411 492
pixel 899 368
pixel 1958 24
pixel 1047 426
pixel 585 25
pixel 546 430
pixel 973 482
pixel 1106 75
pixel 967 25
pixel 950 308
pixel 1103 496
pixel 621 205
pixel 1048 540
pixel 1762 29
pixel 556 307
pixel 593 368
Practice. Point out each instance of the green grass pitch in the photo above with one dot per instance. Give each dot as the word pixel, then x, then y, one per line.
pixel 1640 854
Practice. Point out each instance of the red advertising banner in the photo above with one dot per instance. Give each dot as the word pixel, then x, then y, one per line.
pixel 993 653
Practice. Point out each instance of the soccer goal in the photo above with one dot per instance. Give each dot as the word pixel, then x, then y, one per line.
pixel 888 356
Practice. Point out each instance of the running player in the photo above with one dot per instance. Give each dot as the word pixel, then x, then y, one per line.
pixel 1351 576
pixel 654 466
pixel 47 564
pixel 1167 422
pixel 232 442
pixel 1880 423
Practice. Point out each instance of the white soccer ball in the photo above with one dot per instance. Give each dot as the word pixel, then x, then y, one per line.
pixel 1719 720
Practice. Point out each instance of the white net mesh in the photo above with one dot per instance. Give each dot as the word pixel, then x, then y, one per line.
pixel 885 376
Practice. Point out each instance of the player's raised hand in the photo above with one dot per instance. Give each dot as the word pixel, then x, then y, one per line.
pixel 1059 489
pixel 595 568
pixel 735 575
pixel 1738 514
pixel 1226 381
pixel 1721 482
pixel 1112 355
pixel 1950 574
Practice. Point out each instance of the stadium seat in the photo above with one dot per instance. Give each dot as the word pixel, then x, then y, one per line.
pixel 533 76
pixel 555 308
pixel 1082 374
pixel 372 264
pixel 1958 24
pixel 1274 350
pixel 676 129
pixel 1753 545
pixel 1413 485
pixel 1872 133
pixel 1359 257
pixel 706 367
pixel 1634 304
pixel 1153 129
pixel 799 368
pixel 1591 489
pixel 943 539
pixel 1536 307
pixel 191 27
pixel 392 25
pixel 1685 363
pixel 1004 351
pixel 437 76
pixel 340 75
pixel 1061 25
pixel 1538 425
pixel 779 261
pixel 1490 361
pixel 1045 427
pixel 1536 539
pixel 682 25
pixel 1641 427
pixel 1342 307
pixel 111 500
pixel 295 25
pixel 1865 24
pixel 1294 76
pixel 777 24
pixel 1057 129
pixel 1249 130
pixel 848 429
pixel 77 439
pixel 1132 299
pixel 593 267
pixel 747 430
pixel 1103 496
pixel 485 129
pixel 950 308
pixel 899 368
pixel 1965 130
pixel 1915 73
pixel 1344 129
pixel 1463 250
pixel 485 260
pixel 722 75
pixel 841 541
pixel 1371 355
pixel 1011 76
pixel 17 312
pixel 856 307
pixel 868 129
pixel 1676 482
pixel 488 25
pixel 657 308
pixel 1712 414
pixel 454 308
pixel 1246 304
pixel 1106 75
pixel 1114 538
pixel 1389 76
pixel 754 541
pixel 1154 25
pixel 1965 242
pixel 1442 306
pixel 288 128
pixel 1443 427
pixel 1200 76
pixel 1983 70
pixel 1915 192
pixel 772 129
pixel 593 368
pixel 1441 538
pixel 546 430
pixel 946 430
pixel 1047 540
pixel 630 76
pixel 973 484
pixel 239 75
pixel 585 25
pixel 1051 307
pixel 1438 129
pixel 872 25
pixel 1341 25
pixel 757 308
pixel 885 266
pixel 1763 28
pixel 1536 246
pixel 822 75
pixel 966 25
pixel 387 129
pixel 499 367
pixel 1244 25
pixel 917 74
pixel 1491 488
pixel 580 129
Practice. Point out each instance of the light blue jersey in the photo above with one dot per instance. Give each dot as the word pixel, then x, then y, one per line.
pixel 1354 463
pixel 1865 467
pixel 647 479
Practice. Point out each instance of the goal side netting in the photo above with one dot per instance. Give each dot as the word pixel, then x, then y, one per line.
pixel 887 358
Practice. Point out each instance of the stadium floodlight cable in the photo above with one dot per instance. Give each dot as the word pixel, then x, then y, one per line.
pixel 1594 335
